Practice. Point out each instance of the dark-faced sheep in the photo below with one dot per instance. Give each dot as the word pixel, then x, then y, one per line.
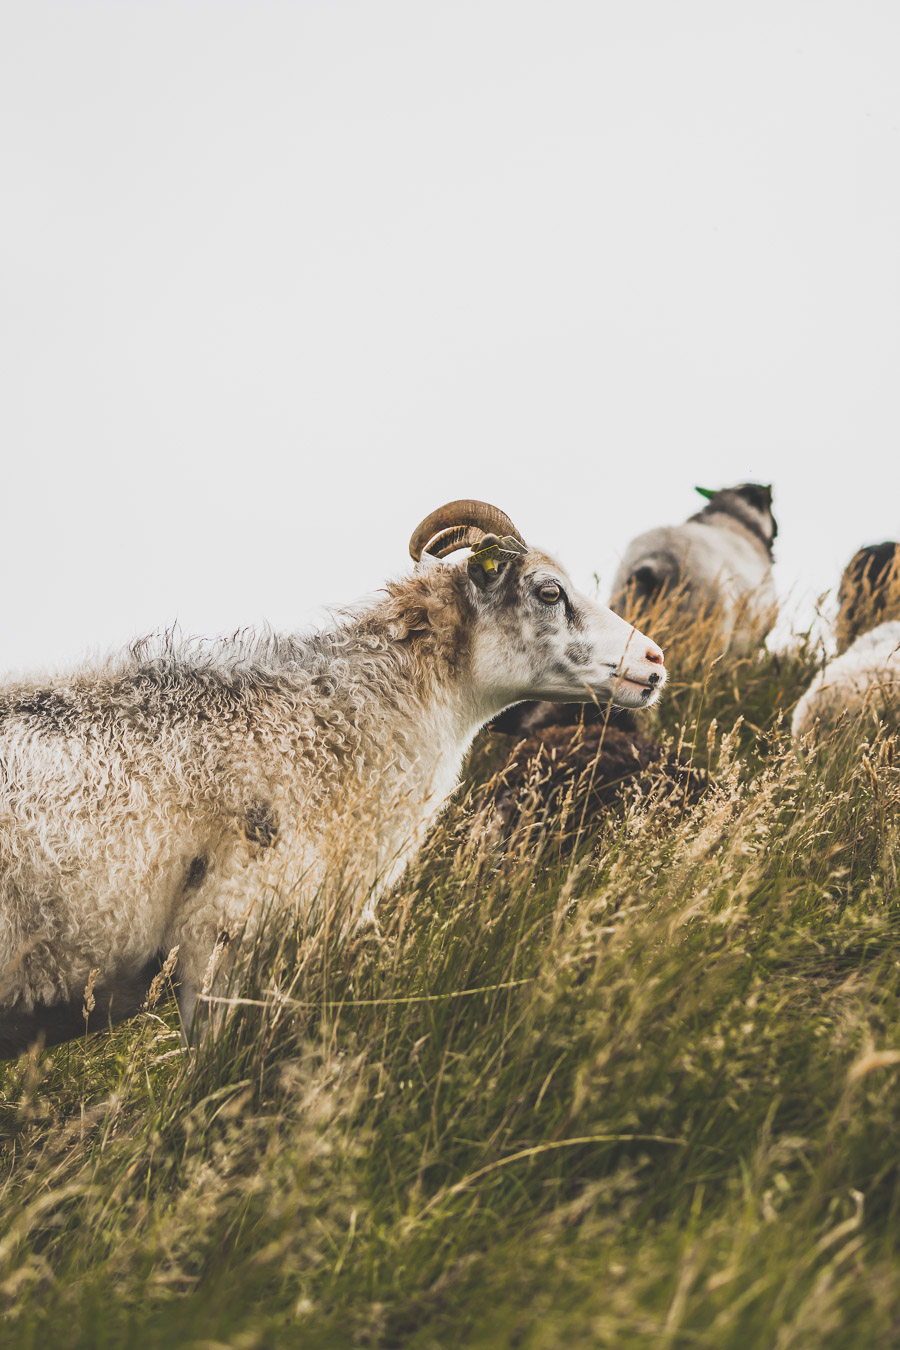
pixel 562 766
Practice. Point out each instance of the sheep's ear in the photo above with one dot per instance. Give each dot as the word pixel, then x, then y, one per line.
pixel 489 558
pixel 708 493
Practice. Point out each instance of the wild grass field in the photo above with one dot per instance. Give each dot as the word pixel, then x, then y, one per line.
pixel 625 1081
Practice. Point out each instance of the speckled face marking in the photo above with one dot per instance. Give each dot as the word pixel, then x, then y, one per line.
pixel 578 653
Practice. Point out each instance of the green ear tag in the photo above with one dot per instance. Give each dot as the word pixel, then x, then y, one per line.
pixel 705 492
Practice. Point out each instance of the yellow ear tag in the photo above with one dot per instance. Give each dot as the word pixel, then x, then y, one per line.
pixel 495 556
pixel 487 557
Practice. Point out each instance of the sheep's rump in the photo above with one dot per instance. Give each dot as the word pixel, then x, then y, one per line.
pixel 863 682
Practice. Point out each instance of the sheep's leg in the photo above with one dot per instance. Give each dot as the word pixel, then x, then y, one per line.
pixel 188 994
pixel 205 958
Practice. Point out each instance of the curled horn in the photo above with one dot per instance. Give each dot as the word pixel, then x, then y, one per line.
pixel 460 524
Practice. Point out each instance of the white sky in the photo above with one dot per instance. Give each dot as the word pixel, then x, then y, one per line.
pixel 276 279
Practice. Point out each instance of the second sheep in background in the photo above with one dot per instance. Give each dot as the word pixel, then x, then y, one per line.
pixel 719 560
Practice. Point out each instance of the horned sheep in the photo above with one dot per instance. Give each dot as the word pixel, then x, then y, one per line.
pixel 148 803
pixel 864 677
pixel 720 555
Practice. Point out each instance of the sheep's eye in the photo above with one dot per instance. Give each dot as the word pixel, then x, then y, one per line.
pixel 549 593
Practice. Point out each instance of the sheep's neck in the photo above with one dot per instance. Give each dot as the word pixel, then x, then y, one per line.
pixel 414 722
pixel 433 735
pixel 749 527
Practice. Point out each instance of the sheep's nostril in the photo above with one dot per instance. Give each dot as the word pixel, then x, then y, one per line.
pixel 654 656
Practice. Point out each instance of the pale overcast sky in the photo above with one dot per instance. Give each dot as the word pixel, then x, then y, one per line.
pixel 279 278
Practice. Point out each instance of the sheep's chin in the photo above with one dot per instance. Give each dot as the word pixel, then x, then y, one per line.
pixel 633 696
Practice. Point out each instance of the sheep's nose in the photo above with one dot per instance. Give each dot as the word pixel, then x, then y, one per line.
pixel 654 654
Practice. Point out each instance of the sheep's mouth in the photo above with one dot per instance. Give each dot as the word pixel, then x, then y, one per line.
pixel 647 685
pixel 646 690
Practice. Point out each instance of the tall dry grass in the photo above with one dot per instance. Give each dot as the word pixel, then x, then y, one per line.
pixel 637 1091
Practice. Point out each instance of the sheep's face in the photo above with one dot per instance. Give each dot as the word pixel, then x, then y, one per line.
pixel 536 637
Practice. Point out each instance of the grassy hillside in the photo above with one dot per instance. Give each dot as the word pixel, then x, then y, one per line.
pixel 624 1082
